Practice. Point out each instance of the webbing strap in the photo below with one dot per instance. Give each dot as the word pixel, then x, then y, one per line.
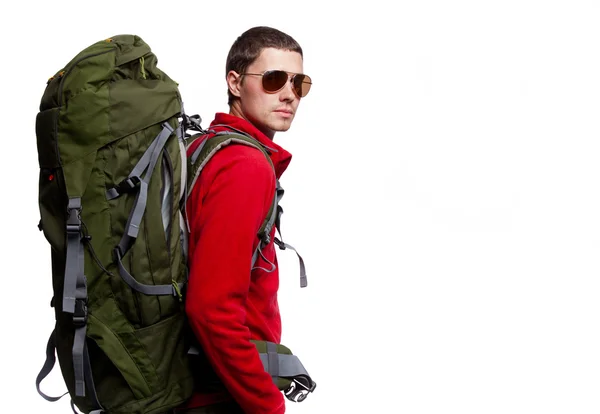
pixel 47 368
pixel 49 365
pixel 282 365
pixel 258 252
pixel 275 218
pixel 74 260
pixel 145 165
pixel 90 383
pixel 283 246
pixel 273 361
pixel 83 366
pixel 75 303
pixel 280 243
pixel 80 324
pixel 78 351
pixel 142 288
pixel 137 212
pixel 75 290
pixel 197 151
pixel 255 256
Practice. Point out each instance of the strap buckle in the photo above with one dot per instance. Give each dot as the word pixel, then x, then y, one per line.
pixel 297 392
pixel 74 220
pixel 279 243
pixel 80 315
pixel 128 184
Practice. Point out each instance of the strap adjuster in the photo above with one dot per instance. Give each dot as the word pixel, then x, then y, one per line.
pixel 128 184
pixel 279 243
pixel 74 220
pixel 80 315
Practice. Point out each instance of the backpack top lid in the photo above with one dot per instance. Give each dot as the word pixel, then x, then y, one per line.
pixel 109 90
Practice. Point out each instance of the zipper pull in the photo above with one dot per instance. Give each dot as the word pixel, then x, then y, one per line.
pixel 58 75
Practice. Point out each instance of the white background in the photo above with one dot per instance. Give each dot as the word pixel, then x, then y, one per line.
pixel 444 193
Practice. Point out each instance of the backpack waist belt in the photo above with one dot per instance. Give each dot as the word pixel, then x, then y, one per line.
pixel 287 371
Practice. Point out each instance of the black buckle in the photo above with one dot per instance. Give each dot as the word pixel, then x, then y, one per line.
pixel 192 122
pixel 74 220
pixel 279 243
pixel 128 184
pixel 80 314
pixel 297 392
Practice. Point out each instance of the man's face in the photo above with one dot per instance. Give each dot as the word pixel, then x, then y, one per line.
pixel 269 112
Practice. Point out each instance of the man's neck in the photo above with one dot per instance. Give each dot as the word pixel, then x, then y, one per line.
pixel 235 110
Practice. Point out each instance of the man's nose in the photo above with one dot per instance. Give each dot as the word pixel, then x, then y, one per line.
pixel 287 93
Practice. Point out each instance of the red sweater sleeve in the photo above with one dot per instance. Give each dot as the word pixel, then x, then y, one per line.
pixel 235 194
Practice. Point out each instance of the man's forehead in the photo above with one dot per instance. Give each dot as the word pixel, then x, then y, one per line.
pixel 271 58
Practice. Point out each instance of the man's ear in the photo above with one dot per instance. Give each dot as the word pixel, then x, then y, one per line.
pixel 234 81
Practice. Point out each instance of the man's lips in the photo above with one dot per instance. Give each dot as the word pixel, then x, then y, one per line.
pixel 285 112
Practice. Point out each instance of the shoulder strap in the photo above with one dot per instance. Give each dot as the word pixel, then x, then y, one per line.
pixel 207 148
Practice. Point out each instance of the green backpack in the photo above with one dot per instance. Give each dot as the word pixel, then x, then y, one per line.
pixel 111 139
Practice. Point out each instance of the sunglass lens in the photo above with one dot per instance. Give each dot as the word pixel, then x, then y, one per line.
pixel 302 84
pixel 274 80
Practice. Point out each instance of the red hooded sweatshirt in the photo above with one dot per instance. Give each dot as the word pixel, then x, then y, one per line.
pixel 228 304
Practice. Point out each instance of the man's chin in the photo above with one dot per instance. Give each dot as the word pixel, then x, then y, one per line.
pixel 281 126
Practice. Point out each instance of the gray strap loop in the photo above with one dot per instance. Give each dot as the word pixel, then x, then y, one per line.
pixel 85 367
pixel 258 252
pixel 47 368
pixel 303 278
pixel 162 290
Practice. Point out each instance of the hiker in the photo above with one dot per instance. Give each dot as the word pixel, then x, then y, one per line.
pixel 230 298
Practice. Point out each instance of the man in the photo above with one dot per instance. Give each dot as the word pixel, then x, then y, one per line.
pixel 228 301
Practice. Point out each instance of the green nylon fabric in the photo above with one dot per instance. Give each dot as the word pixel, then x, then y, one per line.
pixel 98 115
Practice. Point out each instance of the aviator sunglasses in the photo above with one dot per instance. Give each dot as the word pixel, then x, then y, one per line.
pixel 274 81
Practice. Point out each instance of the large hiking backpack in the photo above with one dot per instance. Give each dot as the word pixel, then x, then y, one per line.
pixel 111 137
pixel 112 179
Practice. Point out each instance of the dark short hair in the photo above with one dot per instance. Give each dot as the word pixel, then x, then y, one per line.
pixel 248 46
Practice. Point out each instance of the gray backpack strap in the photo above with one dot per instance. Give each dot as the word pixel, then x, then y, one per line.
pixel 137 182
pixel 75 299
pixel 47 368
pixel 211 145
pixel 279 242
pixel 204 152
